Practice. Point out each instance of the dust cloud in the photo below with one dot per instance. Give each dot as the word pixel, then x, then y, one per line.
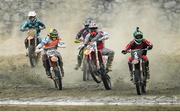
pixel 121 22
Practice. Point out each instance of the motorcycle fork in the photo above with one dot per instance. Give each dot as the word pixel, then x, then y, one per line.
pixel 141 70
pixel 50 64
pixel 93 56
pixel 53 66
pixel 133 70
pixel 134 67
pixel 97 58
pixel 35 41
pixel 29 42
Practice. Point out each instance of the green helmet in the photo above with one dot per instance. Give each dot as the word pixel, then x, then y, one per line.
pixel 53 33
pixel 138 36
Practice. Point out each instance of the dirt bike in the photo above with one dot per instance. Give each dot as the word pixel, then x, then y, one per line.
pixel 85 67
pixel 32 43
pixel 54 62
pixel 139 71
pixel 96 65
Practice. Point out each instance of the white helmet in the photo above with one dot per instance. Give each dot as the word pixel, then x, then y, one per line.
pixel 93 25
pixel 31 13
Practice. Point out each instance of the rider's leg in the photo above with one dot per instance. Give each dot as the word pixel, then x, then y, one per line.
pixel 110 54
pixel 46 65
pixel 130 68
pixel 146 63
pixel 79 59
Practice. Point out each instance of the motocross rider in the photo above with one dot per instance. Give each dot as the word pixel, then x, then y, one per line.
pixel 138 43
pixel 80 37
pixel 51 41
pixel 100 37
pixel 32 23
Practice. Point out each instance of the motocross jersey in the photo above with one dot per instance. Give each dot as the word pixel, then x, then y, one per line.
pixel 145 43
pixel 48 43
pixel 99 38
pixel 82 33
pixel 33 25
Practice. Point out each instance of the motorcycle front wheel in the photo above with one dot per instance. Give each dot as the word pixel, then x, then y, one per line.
pixel 32 57
pixel 93 70
pixel 106 80
pixel 58 79
pixel 86 72
pixel 138 82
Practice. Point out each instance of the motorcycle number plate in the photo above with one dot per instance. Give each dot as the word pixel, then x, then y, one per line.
pixel 30 37
pixel 54 58
pixel 135 61
pixel 87 52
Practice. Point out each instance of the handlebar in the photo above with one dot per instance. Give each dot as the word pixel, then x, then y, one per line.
pixel 77 41
pixel 38 50
pixel 129 51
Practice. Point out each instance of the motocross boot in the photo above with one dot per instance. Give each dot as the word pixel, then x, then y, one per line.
pixel 109 68
pixel 26 52
pixel 79 59
pixel 130 70
pixel 109 62
pixel 48 73
pixel 76 67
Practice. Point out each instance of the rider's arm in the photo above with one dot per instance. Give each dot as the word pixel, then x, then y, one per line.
pixel 149 44
pixel 101 36
pixel 98 36
pixel 87 39
pixel 61 44
pixel 105 36
pixel 79 34
pixel 43 42
pixel 24 27
pixel 42 26
pixel 128 47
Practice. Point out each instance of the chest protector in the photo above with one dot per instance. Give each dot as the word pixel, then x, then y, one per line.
pixel 52 44
pixel 100 44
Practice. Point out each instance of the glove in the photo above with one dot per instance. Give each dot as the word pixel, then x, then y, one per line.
pixel 61 45
pixel 123 52
pixel 42 28
pixel 37 50
pixel 77 41
pixel 149 47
